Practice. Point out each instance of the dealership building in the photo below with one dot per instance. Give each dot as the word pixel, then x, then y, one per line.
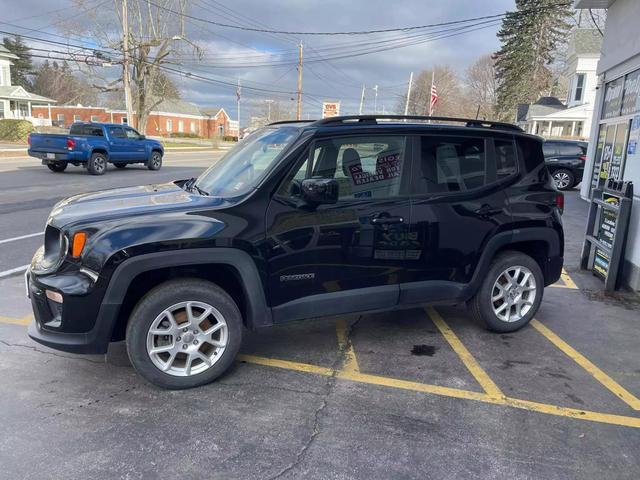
pixel 614 140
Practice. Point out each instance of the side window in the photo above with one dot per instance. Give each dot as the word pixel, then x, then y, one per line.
pixel 569 149
pixel 505 158
pixel 365 167
pixel 451 164
pixel 131 134
pixel 549 149
pixel 116 132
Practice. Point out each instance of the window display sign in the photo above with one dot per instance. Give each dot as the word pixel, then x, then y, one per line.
pixel 631 99
pixel 612 98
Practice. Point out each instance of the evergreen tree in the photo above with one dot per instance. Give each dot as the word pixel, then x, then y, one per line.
pixel 22 67
pixel 530 37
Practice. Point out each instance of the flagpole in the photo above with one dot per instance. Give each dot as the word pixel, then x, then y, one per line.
pixel 433 75
pixel 238 100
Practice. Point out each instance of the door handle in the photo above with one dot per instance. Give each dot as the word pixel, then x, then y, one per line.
pixel 487 210
pixel 386 220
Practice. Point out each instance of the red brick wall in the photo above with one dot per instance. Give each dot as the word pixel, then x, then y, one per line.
pixel 157 125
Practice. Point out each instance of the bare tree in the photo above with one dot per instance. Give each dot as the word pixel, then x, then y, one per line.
pixel 481 86
pixel 157 41
pixel 59 82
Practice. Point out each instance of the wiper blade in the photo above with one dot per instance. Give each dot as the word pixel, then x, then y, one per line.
pixel 190 186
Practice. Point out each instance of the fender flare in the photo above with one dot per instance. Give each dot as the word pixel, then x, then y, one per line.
pixel 258 314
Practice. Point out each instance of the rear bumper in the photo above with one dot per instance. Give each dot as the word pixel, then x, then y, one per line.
pixel 57 156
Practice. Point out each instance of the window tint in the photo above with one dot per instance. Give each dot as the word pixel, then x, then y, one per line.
pixel 549 149
pixel 569 149
pixel 451 164
pixel 365 167
pixel 131 133
pixel 86 130
pixel 116 132
pixel 505 158
pixel 529 152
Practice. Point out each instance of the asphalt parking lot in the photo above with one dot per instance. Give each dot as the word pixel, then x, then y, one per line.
pixel 421 393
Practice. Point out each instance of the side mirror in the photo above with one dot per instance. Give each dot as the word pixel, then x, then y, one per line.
pixel 141 137
pixel 320 190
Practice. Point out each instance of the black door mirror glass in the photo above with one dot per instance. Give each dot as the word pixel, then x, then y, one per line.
pixel 141 137
pixel 320 190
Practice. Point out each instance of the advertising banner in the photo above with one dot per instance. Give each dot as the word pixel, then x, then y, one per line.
pixel 330 109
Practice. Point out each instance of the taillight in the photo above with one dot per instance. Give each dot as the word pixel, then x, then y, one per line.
pixel 29 139
pixel 71 143
pixel 560 202
pixel 583 158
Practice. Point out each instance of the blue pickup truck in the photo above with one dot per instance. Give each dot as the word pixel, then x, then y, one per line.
pixel 93 145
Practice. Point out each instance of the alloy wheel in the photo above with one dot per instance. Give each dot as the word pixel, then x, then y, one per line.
pixel 187 338
pixel 99 164
pixel 513 294
pixel 562 179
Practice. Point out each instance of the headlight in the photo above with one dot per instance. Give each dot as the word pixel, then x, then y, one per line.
pixel 50 256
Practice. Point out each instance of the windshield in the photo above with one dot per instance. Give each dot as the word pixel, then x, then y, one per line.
pixel 242 168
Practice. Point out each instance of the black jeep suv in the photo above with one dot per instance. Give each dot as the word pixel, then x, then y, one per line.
pixel 301 220
pixel 565 160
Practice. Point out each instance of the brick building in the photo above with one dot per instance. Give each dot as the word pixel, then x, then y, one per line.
pixel 169 117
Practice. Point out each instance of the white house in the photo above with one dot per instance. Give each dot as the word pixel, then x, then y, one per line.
pixel 614 140
pixel 551 118
pixel 15 101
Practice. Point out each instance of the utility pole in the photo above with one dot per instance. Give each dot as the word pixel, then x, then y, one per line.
pixel 299 111
pixel 269 102
pixel 361 100
pixel 125 64
pixel 375 100
pixel 406 105
pixel 238 99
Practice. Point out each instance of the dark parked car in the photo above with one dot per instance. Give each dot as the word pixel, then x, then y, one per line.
pixel 93 145
pixel 300 220
pixel 565 160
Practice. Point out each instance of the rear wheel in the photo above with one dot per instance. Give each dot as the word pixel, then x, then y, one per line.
pixel 57 167
pixel 97 164
pixel 155 162
pixel 564 179
pixel 120 165
pixel 510 294
pixel 184 333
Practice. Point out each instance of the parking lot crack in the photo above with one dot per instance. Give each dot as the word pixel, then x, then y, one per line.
pixel 53 354
pixel 319 412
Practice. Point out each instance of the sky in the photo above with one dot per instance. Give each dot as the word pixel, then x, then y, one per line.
pixel 265 61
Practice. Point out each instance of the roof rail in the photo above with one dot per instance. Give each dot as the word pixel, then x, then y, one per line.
pixel 280 122
pixel 373 120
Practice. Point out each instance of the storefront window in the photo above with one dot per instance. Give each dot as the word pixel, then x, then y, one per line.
pixel 612 99
pixel 630 99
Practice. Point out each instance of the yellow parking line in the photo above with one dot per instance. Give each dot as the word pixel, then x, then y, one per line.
pixel 16 321
pixel 351 362
pixel 469 361
pixel 568 281
pixel 544 408
pixel 617 389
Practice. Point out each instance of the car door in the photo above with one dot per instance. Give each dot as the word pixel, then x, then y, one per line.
pixel 135 146
pixel 347 256
pixel 117 143
pixel 457 205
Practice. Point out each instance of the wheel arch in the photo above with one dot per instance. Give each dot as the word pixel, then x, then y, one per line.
pixel 231 269
pixel 101 150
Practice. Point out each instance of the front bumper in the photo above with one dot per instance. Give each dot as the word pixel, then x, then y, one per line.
pixel 71 326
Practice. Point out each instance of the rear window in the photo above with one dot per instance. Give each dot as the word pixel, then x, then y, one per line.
pixel 86 131
pixel 530 151
pixel 570 149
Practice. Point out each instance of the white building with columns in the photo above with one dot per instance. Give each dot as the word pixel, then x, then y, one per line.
pixel 570 118
pixel 15 101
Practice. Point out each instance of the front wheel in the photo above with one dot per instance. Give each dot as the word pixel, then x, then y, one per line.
pixel 564 179
pixel 97 164
pixel 155 162
pixel 510 294
pixel 57 167
pixel 184 333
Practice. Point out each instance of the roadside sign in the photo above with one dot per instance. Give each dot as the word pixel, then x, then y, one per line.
pixel 607 225
pixel 330 109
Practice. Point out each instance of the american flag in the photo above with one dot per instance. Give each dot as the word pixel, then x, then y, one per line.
pixel 434 99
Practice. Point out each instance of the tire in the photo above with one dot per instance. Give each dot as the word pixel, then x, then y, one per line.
pixel 564 179
pixel 120 165
pixel 97 164
pixel 169 369
pixel 57 167
pixel 155 162
pixel 484 307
